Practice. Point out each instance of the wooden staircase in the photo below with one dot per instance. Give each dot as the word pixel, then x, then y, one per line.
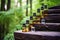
pixel 52 21
pixel 48 21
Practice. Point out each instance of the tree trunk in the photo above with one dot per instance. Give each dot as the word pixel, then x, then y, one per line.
pixel 27 8
pixel 8 4
pixel 20 2
pixel 2 5
pixel 30 6
pixel 1 32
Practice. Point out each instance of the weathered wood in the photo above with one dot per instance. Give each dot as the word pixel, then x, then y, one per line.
pixel 38 35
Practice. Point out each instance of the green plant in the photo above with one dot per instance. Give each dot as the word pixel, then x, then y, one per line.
pixel 10 21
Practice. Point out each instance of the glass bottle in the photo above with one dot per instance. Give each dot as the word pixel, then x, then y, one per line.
pixel 42 20
pixel 32 28
pixel 24 28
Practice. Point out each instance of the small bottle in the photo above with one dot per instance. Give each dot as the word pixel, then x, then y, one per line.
pixel 24 28
pixel 32 28
pixel 34 14
pixel 42 20
pixel 38 10
pixel 27 29
pixel 42 8
pixel 46 6
pixel 31 17
pixel 27 21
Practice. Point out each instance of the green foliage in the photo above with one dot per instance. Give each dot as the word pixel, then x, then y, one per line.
pixel 4 23
pixel 16 18
pixel 10 20
pixel 9 37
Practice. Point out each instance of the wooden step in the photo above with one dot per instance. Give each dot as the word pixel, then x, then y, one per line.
pixel 49 19
pixel 51 15
pixel 47 24
pixel 55 7
pixel 52 11
pixel 47 27
pixel 53 18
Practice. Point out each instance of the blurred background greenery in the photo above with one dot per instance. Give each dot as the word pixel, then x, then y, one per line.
pixel 13 14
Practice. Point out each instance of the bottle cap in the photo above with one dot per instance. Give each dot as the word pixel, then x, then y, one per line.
pixel 24 25
pixel 38 10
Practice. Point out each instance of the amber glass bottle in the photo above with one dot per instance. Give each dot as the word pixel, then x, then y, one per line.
pixel 24 28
